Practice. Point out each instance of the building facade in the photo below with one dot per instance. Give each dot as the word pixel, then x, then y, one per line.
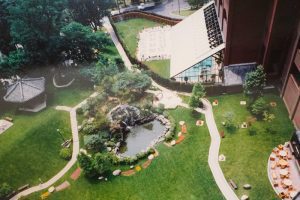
pixel 265 32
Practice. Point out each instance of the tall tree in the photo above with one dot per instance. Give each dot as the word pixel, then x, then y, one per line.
pixel 90 12
pixel 81 43
pixel 5 38
pixel 255 82
pixel 35 24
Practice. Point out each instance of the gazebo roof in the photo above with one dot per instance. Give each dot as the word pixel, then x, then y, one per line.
pixel 25 89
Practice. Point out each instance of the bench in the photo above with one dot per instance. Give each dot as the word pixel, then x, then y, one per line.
pixel 9 119
pixel 232 184
pixel 10 195
pixel 23 187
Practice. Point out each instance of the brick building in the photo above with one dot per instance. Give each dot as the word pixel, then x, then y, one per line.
pixel 265 32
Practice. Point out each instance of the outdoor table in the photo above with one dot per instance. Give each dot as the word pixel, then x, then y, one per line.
pixel 282 163
pixel 293 194
pixel 283 172
pixel 287 182
pixel 282 153
pixel 280 147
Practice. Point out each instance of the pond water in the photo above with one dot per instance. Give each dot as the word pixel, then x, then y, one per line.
pixel 140 137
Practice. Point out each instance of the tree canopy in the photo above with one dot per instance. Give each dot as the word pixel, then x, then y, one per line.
pixel 197 93
pixel 90 12
pixel 80 43
pixel 255 82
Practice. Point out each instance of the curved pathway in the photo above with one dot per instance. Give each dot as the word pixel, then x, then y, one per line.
pixel 172 100
pixel 75 152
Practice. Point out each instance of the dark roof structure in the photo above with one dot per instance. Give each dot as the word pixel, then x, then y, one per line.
pixel 25 89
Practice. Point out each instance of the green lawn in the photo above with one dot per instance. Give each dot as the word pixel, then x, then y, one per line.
pixel 179 173
pixel 247 156
pixel 29 150
pixel 184 13
pixel 161 67
pixel 128 31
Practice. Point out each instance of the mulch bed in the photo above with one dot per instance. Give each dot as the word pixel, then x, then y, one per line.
pixel 62 186
pixel 75 175
pixel 146 164
pixel 180 139
pixel 128 173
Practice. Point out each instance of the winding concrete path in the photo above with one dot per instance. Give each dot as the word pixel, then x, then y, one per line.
pixel 75 152
pixel 171 100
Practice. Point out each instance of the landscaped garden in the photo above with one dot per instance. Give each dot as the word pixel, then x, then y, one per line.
pixel 247 150
pixel 178 172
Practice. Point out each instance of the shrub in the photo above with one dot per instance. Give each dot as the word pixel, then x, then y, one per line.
pixel 89 128
pixel 5 189
pixel 255 81
pixel 96 144
pixel 229 122
pixel 252 130
pixel 79 111
pixel 160 109
pixel 259 107
pixel 65 153
pixel 271 129
pixel 268 117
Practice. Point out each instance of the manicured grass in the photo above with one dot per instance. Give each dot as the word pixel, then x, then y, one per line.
pixel 160 67
pixel 184 13
pixel 180 172
pixel 29 150
pixel 128 31
pixel 247 156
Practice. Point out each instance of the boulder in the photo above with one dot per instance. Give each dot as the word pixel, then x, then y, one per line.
pixel 173 142
pixel 150 157
pixel 131 167
pixel 244 197
pixel 117 172
pixel 109 149
pixel 247 186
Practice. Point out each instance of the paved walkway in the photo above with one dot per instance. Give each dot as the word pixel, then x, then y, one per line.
pixel 172 100
pixel 75 152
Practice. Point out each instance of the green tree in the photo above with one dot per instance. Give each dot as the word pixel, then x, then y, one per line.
pixel 193 102
pixel 35 24
pixel 14 61
pixel 96 143
pixel 86 163
pixel 197 93
pixel 229 122
pixel 90 12
pixel 195 4
pixel 65 153
pixel 103 68
pixel 103 162
pixel 132 81
pixel 255 82
pixel 5 38
pixel 81 43
pixel 259 107
pixel 5 190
